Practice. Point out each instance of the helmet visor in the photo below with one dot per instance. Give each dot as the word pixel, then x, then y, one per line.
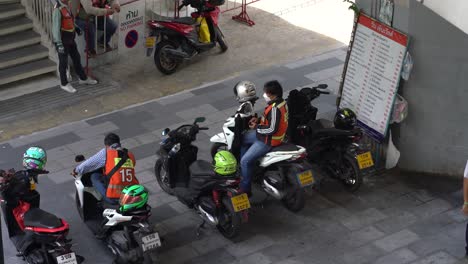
pixel 126 199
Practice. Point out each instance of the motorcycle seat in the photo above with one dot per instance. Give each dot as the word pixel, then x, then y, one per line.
pixel 202 168
pixel 39 218
pixel 333 132
pixel 180 20
pixel 285 147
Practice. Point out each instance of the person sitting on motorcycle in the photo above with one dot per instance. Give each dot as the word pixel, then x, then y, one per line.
pixel 269 132
pixel 112 168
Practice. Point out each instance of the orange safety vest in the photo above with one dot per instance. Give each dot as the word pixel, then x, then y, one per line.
pixel 68 22
pixel 123 177
pixel 277 138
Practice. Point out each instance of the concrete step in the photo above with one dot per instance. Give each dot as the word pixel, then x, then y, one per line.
pixel 27 70
pixel 23 55
pixel 5 2
pixel 11 26
pixel 9 11
pixel 19 40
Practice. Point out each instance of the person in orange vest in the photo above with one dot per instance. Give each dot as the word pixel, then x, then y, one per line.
pixel 63 32
pixel 269 132
pixel 112 168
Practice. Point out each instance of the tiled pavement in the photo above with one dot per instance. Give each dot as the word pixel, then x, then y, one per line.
pixel 387 221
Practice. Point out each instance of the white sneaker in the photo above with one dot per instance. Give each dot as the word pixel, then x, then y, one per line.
pixel 88 81
pixel 69 88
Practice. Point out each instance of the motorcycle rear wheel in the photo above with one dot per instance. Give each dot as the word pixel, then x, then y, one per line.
pixel 221 41
pixel 159 172
pixel 231 227
pixel 353 182
pixel 295 200
pixel 165 64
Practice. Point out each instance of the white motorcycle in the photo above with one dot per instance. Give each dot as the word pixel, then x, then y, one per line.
pixel 129 235
pixel 282 173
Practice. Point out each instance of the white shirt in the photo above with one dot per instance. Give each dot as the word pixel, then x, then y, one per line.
pixel 466 170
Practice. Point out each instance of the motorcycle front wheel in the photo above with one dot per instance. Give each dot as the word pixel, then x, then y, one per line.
pixel 161 173
pixel 163 62
pixel 230 223
pixel 352 176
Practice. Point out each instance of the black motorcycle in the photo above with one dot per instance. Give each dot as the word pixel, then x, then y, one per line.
pixel 39 237
pixel 214 197
pixel 336 151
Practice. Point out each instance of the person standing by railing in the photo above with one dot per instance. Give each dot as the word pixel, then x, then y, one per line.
pixel 63 32
pixel 94 11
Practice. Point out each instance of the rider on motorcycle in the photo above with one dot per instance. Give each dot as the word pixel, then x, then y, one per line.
pixel 269 132
pixel 113 168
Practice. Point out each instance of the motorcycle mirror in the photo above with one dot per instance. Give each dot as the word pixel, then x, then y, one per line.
pixel 199 120
pixel 165 131
pixel 322 86
pixel 79 158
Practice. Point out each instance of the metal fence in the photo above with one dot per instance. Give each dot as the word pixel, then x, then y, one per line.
pixel 41 10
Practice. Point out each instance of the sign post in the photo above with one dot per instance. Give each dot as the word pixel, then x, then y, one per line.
pixel 373 74
pixel 131 26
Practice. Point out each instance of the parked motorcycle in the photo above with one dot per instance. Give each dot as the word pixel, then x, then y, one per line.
pixel 128 234
pixel 179 39
pixel 336 151
pixel 282 173
pixel 214 197
pixel 39 237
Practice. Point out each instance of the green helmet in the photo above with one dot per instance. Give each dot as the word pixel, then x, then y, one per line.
pixel 225 163
pixel 133 197
pixel 34 158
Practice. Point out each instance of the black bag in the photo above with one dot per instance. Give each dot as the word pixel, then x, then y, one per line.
pixel 179 164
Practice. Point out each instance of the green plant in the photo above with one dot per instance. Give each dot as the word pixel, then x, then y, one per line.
pixel 353 6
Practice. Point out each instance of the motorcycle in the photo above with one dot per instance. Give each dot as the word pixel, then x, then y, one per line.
pixel 39 237
pixel 337 152
pixel 214 197
pixel 129 235
pixel 282 173
pixel 178 39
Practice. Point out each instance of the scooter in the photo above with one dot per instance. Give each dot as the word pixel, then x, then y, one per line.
pixel 282 173
pixel 336 151
pixel 39 237
pixel 129 235
pixel 214 197
pixel 178 39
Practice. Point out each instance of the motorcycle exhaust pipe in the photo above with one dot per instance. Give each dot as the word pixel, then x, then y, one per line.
pixel 269 189
pixel 180 55
pixel 207 217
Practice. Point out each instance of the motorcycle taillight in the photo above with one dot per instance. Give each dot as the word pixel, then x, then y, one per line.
pixel 299 156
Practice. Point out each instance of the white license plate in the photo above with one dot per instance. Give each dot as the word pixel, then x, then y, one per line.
pixel 69 258
pixel 151 242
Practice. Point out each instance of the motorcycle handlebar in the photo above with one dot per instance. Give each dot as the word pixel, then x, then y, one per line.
pixel 203 128
pixel 324 92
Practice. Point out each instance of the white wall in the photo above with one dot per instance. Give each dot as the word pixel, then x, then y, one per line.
pixel 454 11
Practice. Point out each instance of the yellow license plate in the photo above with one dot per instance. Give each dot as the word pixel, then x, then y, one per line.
pixel 306 178
pixel 365 160
pixel 240 202
pixel 150 41
pixel 32 186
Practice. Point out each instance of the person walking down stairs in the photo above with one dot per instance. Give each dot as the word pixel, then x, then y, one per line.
pixel 63 31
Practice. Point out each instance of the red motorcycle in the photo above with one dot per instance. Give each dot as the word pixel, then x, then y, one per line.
pixel 39 237
pixel 179 39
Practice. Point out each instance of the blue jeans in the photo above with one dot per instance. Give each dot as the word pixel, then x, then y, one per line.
pixel 96 179
pixel 251 150
pixel 111 27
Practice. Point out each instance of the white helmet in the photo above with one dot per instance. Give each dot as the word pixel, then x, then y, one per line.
pixel 245 91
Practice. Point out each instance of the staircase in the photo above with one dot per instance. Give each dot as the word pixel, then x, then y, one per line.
pixel 21 54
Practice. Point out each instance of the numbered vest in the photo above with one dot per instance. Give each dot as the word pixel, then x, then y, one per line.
pixel 68 22
pixel 277 138
pixel 123 177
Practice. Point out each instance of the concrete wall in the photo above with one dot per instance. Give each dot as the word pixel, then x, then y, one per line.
pixel 434 137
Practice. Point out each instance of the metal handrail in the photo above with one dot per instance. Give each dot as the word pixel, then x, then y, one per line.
pixel 41 10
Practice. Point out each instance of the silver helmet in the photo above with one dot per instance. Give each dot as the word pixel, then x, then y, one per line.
pixel 245 91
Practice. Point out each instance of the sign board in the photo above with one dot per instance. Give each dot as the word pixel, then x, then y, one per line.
pixel 132 25
pixel 373 74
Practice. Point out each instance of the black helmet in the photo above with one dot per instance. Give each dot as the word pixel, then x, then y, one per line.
pixel 345 119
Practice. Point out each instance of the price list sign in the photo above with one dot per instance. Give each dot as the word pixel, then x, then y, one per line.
pixel 373 74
